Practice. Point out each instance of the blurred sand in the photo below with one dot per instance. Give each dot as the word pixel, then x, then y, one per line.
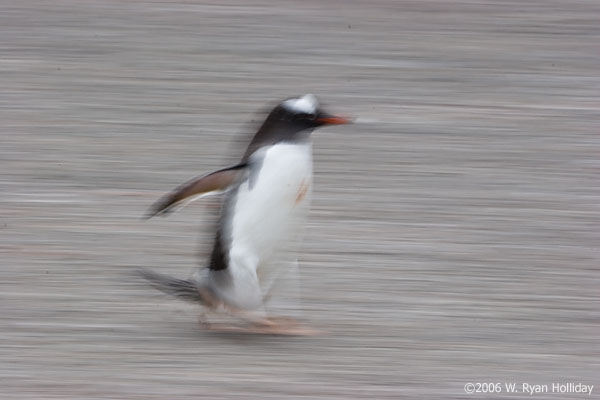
pixel 454 234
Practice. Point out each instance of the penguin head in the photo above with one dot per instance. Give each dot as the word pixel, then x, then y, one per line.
pixel 292 120
pixel 304 113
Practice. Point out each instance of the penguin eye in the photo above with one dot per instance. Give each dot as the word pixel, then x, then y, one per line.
pixel 307 116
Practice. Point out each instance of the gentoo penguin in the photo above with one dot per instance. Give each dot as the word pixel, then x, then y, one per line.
pixel 267 196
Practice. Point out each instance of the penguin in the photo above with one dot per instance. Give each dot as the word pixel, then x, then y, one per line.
pixel 266 199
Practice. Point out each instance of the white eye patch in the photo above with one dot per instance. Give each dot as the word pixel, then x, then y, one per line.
pixel 307 104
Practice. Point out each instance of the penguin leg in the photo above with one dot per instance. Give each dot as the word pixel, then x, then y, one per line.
pixel 238 287
pixel 203 319
pixel 283 290
pixel 282 296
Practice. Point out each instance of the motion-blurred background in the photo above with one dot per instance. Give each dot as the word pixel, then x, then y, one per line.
pixel 454 231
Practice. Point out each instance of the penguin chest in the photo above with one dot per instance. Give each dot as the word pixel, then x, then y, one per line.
pixel 273 202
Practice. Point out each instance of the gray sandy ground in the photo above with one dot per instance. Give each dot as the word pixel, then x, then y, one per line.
pixel 454 234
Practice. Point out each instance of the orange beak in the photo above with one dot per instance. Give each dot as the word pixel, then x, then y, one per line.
pixel 333 120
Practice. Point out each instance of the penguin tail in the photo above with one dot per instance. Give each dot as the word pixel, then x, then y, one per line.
pixel 185 289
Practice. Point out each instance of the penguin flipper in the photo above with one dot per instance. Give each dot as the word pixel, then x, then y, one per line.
pixel 215 182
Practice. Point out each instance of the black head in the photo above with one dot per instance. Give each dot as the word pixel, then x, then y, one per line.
pixel 292 120
pixel 303 113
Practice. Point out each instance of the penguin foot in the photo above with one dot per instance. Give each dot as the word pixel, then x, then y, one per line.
pixel 279 326
pixel 203 320
pixel 282 326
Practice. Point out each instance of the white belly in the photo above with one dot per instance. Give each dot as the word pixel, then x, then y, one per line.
pixel 271 206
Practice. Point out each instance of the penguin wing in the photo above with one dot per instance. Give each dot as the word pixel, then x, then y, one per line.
pixel 214 183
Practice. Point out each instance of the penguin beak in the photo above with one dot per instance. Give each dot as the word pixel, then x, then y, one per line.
pixel 324 118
